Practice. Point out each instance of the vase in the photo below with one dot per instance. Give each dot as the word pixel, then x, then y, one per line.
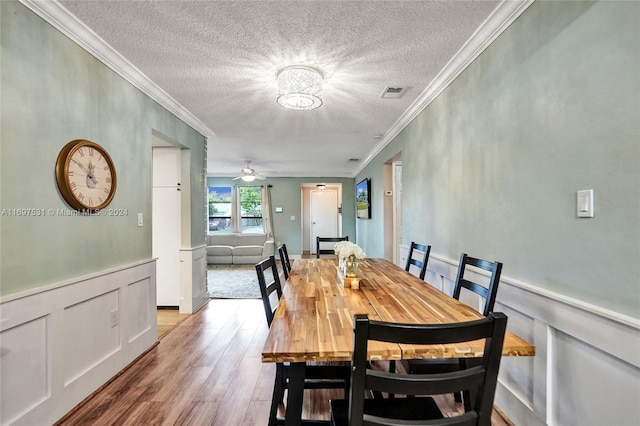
pixel 352 267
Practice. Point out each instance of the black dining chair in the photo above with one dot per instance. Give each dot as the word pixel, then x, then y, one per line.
pixel 487 292
pixel 284 260
pixel 320 240
pixel 267 288
pixel 318 375
pixel 478 382
pixel 421 262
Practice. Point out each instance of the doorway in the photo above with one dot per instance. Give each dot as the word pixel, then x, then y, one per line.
pixel 324 215
pixel 166 223
pixel 321 214
pixel 392 180
pixel 397 209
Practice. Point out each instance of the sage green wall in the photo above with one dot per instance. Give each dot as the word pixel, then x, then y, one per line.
pixel 370 232
pixel 286 193
pixel 53 92
pixel 492 166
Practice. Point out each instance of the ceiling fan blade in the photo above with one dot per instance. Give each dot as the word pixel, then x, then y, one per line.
pixel 236 178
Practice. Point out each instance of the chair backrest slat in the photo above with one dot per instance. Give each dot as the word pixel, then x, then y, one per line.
pixel 437 333
pixel 417 384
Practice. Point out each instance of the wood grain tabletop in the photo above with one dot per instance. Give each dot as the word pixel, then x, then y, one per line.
pixel 314 321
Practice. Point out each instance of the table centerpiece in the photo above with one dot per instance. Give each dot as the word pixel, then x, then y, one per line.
pixel 349 254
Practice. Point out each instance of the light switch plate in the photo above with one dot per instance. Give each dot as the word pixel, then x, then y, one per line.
pixel 584 203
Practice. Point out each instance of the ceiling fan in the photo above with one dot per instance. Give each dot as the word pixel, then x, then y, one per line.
pixel 248 174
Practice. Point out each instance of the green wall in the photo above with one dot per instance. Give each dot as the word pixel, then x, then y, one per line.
pixel 53 92
pixel 286 193
pixel 492 166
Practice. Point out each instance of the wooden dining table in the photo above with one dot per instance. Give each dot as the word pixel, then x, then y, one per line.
pixel 314 319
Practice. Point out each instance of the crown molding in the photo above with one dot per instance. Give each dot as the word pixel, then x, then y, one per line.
pixel 503 15
pixel 67 23
pixel 59 17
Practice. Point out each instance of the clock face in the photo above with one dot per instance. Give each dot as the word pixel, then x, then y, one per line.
pixel 86 175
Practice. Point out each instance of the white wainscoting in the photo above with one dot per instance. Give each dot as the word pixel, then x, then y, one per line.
pixel 61 342
pixel 193 276
pixel 587 365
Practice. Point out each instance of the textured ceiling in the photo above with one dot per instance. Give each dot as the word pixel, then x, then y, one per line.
pixel 219 60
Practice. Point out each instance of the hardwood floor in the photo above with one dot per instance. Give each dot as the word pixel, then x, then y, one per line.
pixel 168 319
pixel 205 371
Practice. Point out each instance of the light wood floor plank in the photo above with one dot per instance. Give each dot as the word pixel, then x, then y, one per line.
pixel 264 387
pixel 257 413
pixel 233 407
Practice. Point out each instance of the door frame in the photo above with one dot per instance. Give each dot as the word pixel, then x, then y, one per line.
pixel 305 212
pixel 169 160
pixel 312 231
pixel 397 208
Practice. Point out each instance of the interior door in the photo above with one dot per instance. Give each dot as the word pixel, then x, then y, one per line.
pixel 324 215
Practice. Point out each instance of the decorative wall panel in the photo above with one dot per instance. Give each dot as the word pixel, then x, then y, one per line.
pixel 587 365
pixel 23 349
pixel 61 342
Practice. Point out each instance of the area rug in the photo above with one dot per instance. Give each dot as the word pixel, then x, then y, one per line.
pixel 233 282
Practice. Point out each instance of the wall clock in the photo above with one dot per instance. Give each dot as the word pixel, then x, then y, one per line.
pixel 85 175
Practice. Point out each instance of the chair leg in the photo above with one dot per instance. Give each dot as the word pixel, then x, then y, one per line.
pixel 278 394
pixel 347 385
pixel 466 397
pixel 293 414
pixel 392 369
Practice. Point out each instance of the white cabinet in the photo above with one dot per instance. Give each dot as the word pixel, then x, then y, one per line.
pixel 166 224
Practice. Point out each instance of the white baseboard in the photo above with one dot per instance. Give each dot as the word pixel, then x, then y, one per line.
pixel 61 342
pixel 587 365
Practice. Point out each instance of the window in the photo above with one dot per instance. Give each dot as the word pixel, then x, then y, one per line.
pixel 221 209
pixel 251 207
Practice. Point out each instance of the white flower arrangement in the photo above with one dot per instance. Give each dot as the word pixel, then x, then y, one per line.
pixel 347 249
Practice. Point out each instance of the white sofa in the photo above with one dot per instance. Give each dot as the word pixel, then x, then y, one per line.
pixel 238 248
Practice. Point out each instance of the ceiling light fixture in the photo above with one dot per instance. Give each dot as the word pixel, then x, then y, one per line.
pixel 248 178
pixel 321 186
pixel 300 87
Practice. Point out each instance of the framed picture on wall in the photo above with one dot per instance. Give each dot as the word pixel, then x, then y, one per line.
pixel 363 199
